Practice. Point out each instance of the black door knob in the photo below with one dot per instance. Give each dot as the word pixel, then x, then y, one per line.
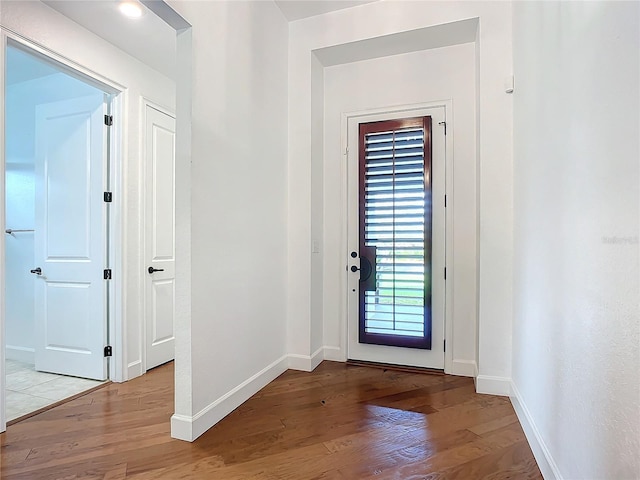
pixel 37 271
pixel 366 269
pixel 151 270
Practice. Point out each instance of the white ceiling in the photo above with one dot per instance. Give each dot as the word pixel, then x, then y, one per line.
pixel 437 36
pixel 148 38
pixel 151 40
pixel 297 9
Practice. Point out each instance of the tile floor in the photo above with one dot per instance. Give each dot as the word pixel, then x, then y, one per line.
pixel 29 390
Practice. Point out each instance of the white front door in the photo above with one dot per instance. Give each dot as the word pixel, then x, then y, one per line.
pixel 69 238
pixel 396 235
pixel 159 237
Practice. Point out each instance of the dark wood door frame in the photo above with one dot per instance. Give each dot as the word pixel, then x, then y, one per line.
pixel 368 280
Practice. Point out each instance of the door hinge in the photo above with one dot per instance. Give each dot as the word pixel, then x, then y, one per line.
pixel 107 274
pixel 108 351
pixel 445 201
pixel 444 345
pixel 346 150
pixel 108 197
pixel 108 120
pixel 445 126
pixel 445 273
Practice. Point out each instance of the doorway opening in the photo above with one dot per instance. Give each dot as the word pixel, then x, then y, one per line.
pixel 396 237
pixel 57 232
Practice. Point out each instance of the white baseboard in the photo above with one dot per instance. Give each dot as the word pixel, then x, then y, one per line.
pixel 134 369
pixel 547 466
pixel 189 428
pixel 493 385
pixel 20 354
pixel 317 358
pixel 335 354
pixel 463 368
pixel 182 427
pixel 306 363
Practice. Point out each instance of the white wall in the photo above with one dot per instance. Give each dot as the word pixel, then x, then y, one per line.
pixel 576 333
pixel 37 22
pixel 318 196
pixel 385 18
pixel 19 306
pixel 20 211
pixel 413 78
pixel 235 338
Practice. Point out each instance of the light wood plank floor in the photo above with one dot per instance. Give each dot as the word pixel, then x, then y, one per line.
pixel 340 422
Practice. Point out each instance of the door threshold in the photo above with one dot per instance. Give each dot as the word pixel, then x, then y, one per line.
pixel 397 368
pixel 56 404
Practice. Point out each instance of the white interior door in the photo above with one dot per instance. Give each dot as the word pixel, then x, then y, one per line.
pixel 396 237
pixel 69 238
pixel 160 237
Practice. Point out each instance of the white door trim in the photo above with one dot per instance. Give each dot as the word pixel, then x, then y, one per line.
pixel 73 68
pixel 117 232
pixel 388 113
pixel 3 421
pixel 144 103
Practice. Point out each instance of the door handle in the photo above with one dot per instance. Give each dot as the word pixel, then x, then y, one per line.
pixel 37 271
pixel 365 270
pixel 151 270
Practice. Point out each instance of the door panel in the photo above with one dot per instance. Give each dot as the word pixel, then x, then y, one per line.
pixel 66 332
pixel 70 238
pixel 160 237
pixel 68 198
pixel 162 301
pixel 396 223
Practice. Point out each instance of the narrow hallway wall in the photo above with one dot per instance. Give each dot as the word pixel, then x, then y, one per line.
pixel 576 342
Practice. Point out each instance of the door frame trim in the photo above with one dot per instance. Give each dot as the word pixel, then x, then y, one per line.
pixel 144 103
pixel 117 298
pixel 388 113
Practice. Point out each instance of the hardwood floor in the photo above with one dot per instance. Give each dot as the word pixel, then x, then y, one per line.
pixel 340 422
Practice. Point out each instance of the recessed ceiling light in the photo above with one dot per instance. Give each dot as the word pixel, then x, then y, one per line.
pixel 131 9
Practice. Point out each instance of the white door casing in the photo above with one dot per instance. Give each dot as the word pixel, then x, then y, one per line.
pixel 70 237
pixel 3 396
pixel 159 236
pixel 433 358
